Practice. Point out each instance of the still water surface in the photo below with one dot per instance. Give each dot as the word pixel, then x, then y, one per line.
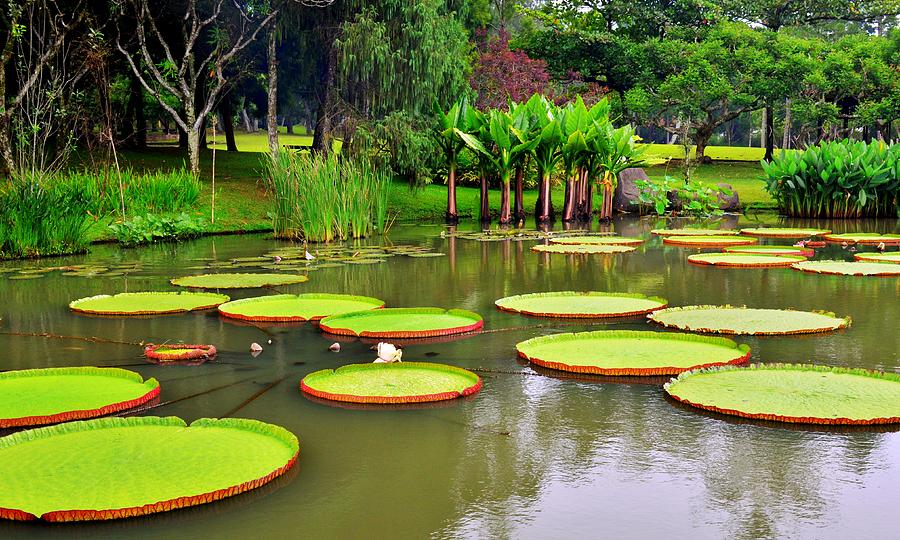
pixel 535 454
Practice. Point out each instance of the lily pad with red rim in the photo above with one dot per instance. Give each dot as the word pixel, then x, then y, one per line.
pixel 403 322
pixel 893 257
pixel 237 281
pixel 573 304
pixel 34 397
pixel 708 241
pixel 744 260
pixel 864 238
pixel 793 393
pixel 750 321
pixel 772 250
pixel 399 382
pixel 598 240
pixel 297 307
pixel 147 303
pixel 581 249
pixel 177 352
pixel 631 353
pixel 784 232
pixel 694 232
pixel 845 268
pixel 113 468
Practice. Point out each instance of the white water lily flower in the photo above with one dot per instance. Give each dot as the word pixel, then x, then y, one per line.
pixel 387 352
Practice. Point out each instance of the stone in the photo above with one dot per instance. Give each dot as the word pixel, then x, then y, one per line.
pixel 627 192
pixel 728 203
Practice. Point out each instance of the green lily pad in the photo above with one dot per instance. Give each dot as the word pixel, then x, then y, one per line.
pixel 626 352
pixel 147 303
pixel 237 281
pixel 745 260
pixel 786 232
pixel 297 307
pixel 598 240
pixel 694 232
pixel 581 249
pixel 425 255
pixel 403 322
pixel 793 393
pixel 112 468
pixel 771 250
pixel 708 241
pixel 743 320
pixel 399 382
pixel 34 397
pixel 893 257
pixel 844 268
pixel 581 304
pixel 865 238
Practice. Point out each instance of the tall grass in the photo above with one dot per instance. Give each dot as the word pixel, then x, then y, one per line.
pixel 39 219
pixel 321 199
pixel 839 179
pixel 144 192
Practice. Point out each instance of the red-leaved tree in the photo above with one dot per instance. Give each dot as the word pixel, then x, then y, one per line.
pixel 501 74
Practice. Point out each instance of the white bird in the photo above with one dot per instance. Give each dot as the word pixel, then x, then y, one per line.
pixel 880 246
pixel 309 256
pixel 255 347
pixel 388 353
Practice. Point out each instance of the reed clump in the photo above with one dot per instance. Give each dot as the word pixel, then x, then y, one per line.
pixel 325 198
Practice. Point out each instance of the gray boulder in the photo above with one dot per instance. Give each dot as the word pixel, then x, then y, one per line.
pixel 627 191
pixel 728 203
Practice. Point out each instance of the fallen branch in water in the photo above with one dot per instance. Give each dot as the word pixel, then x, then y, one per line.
pixel 91 339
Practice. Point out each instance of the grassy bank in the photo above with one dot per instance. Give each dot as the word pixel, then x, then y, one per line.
pixel 243 202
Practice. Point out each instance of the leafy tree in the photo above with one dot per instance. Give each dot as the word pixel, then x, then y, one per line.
pixel 501 74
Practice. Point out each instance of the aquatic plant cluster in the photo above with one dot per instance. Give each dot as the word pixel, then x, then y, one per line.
pixel 321 199
pixel 840 179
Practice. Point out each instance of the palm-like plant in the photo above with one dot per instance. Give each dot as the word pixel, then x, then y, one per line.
pixel 545 129
pixel 456 118
pixel 574 121
pixel 614 151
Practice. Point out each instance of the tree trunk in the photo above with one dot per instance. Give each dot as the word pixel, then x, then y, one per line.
pixel 452 212
pixel 588 199
pixel 7 165
pixel 272 98
pixel 769 132
pixel 701 140
pixel 544 210
pixel 193 139
pixel 227 111
pixel 788 118
pixel 569 204
pixel 327 107
pixel 519 205
pixel 485 203
pixel 248 127
pixel 505 214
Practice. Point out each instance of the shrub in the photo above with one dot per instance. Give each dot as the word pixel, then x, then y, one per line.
pixel 321 199
pixel 39 218
pixel 150 228
pixel 840 179
pixel 691 197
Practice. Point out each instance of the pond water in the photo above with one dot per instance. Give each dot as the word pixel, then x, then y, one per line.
pixel 535 454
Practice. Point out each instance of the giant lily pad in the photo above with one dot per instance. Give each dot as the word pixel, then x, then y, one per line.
pixel 297 307
pixel 786 232
pixel 113 468
pixel 708 241
pixel 893 257
pixel 598 240
pixel 744 260
pixel 400 382
pixel 581 304
pixel 743 320
pixel 694 232
pixel 626 352
pixel 845 268
pixel 772 250
pixel 581 249
pixel 237 281
pixel 403 322
pixel 34 397
pixel 864 238
pixel 793 393
pixel 147 303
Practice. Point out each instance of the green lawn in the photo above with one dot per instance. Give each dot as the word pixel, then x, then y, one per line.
pixel 242 201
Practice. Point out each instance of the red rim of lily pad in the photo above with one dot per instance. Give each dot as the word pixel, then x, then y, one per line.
pixel 734 260
pixel 845 268
pixel 331 324
pixel 262 428
pixel 68 416
pixel 772 250
pixel 864 238
pixel 474 388
pixel 709 241
pixel 784 232
pixel 178 352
